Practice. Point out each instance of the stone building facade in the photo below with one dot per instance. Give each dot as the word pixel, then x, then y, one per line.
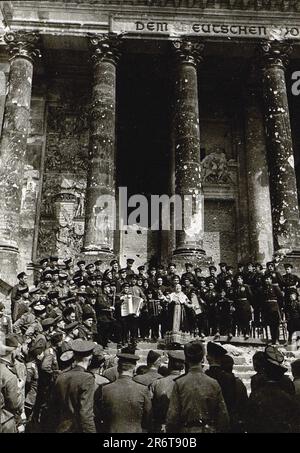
pixel 161 97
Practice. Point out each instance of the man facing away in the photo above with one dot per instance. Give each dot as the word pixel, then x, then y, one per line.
pixel 125 405
pixel 196 403
pixel 73 395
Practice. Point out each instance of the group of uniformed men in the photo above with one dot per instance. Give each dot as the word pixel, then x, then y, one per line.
pixel 88 303
pixel 87 395
pixel 54 326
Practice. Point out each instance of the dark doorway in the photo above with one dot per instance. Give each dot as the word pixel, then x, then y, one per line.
pixel 143 124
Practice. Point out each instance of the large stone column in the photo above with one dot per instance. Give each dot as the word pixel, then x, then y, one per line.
pixel 260 216
pixel 189 239
pixel 283 187
pixel 22 47
pixel 99 216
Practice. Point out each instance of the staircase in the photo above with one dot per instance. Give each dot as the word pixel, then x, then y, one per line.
pixel 242 355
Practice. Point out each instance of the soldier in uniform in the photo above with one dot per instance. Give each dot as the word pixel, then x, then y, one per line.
pixel 104 311
pixel 212 276
pixel 53 262
pixel 129 270
pixel 242 303
pixel 16 292
pixel 270 408
pixel 221 277
pixel 272 303
pixel 290 282
pixel 153 363
pixel 161 390
pixel 215 355
pixel 292 314
pixel 10 398
pixel 72 402
pixel 98 271
pixel 188 273
pixel 211 298
pixel 125 405
pixel 171 274
pixel 80 273
pixel 152 277
pixel 85 331
pixel 275 275
pixel 241 398
pixel 196 402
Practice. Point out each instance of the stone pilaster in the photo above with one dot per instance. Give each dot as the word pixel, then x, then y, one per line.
pixel 22 47
pixel 189 239
pixel 283 187
pixel 260 215
pixel 99 216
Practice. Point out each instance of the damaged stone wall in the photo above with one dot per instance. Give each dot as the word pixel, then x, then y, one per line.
pixel 61 224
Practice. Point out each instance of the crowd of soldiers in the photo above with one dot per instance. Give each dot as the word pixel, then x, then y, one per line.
pixel 54 345
pixel 89 393
pixel 86 302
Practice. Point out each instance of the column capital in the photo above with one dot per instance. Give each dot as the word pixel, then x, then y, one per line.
pixel 105 47
pixel 23 44
pixel 188 51
pixel 274 53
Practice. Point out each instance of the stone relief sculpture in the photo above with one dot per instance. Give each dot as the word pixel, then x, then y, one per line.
pixel 215 167
pixel 80 208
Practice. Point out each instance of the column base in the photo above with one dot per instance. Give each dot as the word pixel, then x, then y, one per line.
pixel 91 255
pixel 196 257
pixel 293 257
pixel 189 251
pixel 9 259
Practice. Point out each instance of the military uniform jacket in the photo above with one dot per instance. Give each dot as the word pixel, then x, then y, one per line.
pixel 147 378
pixel 85 333
pixel 72 402
pixel 102 306
pixel 227 384
pixel 161 390
pixel 11 401
pixel 125 406
pixel 289 281
pixel 196 400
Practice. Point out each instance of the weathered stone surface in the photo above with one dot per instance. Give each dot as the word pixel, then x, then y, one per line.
pixel 260 217
pixel 13 143
pixel 187 146
pixel 285 209
pixel 99 218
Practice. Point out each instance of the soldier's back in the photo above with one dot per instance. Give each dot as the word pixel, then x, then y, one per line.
pixel 73 401
pixel 272 410
pixel 126 406
pixel 197 404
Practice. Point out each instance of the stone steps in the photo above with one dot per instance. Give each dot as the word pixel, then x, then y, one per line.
pixel 241 353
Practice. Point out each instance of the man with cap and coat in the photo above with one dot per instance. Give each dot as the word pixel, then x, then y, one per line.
pixel 72 401
pixel 161 390
pixel 125 405
pixel 196 403
pixel 221 277
pixel 106 322
pixel 153 363
pixel 270 408
pixel 20 288
pixel 10 398
pixel 290 282
pixel 188 274
pixel 215 354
